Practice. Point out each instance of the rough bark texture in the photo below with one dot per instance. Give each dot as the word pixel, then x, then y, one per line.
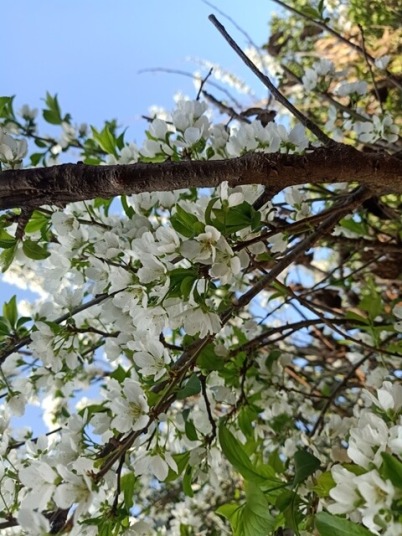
pixel 381 173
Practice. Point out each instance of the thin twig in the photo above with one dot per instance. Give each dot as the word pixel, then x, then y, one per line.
pixel 315 129
pixel 239 28
pixel 356 199
pixel 189 75
pixel 224 108
pixel 369 67
pixel 203 81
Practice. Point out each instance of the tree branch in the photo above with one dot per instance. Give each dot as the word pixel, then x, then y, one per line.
pixel 315 129
pixel 68 183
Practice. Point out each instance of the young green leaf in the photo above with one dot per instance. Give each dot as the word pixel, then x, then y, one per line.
pixel 329 525
pixel 305 465
pixel 251 518
pixel 191 388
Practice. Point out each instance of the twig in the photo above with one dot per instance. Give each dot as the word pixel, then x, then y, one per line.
pixel 369 67
pixel 224 108
pixel 315 129
pixel 26 340
pixel 319 422
pixel 356 199
pixel 203 81
pixel 238 27
pixel 188 75
pixel 208 407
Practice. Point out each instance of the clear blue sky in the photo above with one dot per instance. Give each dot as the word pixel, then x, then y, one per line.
pixel 90 51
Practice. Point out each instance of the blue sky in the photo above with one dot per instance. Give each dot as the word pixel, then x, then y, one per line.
pixel 90 52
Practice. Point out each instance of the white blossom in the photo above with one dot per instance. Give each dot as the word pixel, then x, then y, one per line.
pixel 12 150
pixel 130 407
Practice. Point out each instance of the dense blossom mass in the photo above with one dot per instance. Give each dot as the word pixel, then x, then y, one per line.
pixel 210 361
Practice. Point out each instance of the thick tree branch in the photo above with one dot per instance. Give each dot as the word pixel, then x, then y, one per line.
pixel 67 183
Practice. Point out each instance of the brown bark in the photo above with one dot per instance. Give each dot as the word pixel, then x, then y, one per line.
pixel 381 173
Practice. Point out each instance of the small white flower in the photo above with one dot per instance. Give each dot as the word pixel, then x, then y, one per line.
pixel 28 113
pixel 382 62
pixel 32 522
pixel 156 465
pixel 152 360
pixel 12 151
pixel 202 322
pixel 192 135
pixel 389 396
pixel 278 243
pixel 344 493
pixel 40 479
pixel 310 79
pixel 203 247
pixel 158 129
pixel 64 223
pixel 130 407
pixel 348 88
pixel 76 488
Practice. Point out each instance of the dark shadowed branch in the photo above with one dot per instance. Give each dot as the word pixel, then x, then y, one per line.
pixel 68 183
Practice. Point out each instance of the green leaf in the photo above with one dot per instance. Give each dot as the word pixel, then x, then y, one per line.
pixel 229 220
pixel 6 240
pixel 350 315
pixel 208 210
pixel 10 311
pixel 273 356
pixel 246 420
pixel 329 525
pixel 181 462
pixel 359 228
pixel 7 257
pixel 186 285
pixel 127 483
pixel 176 278
pixel 372 303
pixel 251 518
pixel 4 329
pixel 208 360
pixel 126 207
pixel 191 388
pixel 185 223
pixel 119 374
pixel 237 456
pixel 36 222
pixel 305 465
pixel 392 468
pixel 106 140
pixel 311 12
pixel 6 107
pixel 52 114
pixel 36 158
pixel 275 462
pixel 324 483
pixel 190 431
pixel 34 251
pixel 188 490
pixel 288 502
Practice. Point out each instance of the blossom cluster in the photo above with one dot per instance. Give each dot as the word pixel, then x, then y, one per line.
pixel 369 490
